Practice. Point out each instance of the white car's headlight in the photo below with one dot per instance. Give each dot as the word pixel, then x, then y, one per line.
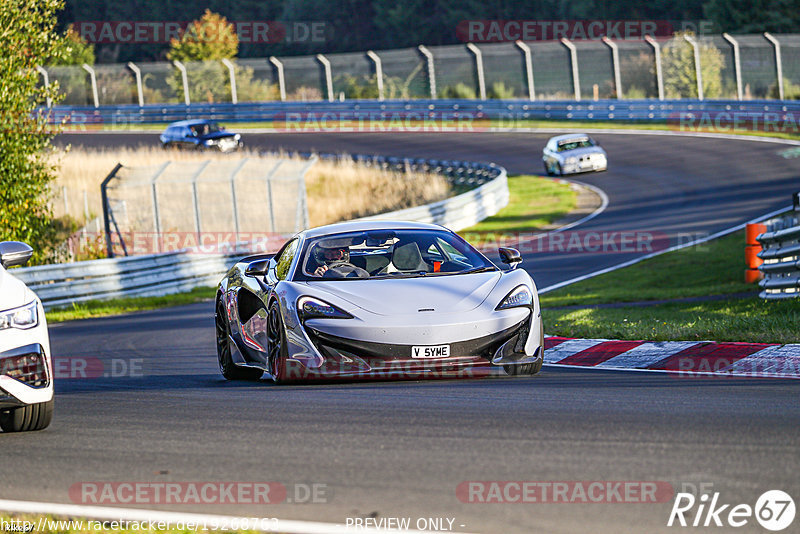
pixel 520 296
pixel 572 160
pixel 23 317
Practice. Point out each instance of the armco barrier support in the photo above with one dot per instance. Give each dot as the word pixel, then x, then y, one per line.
pixel 781 256
pixel 173 272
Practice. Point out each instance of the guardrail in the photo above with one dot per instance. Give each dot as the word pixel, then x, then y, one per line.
pixel 781 255
pixel 161 274
pixel 297 116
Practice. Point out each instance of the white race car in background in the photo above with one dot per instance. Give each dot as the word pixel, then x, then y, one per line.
pixel 26 370
pixel 573 153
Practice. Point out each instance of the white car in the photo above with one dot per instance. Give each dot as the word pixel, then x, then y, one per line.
pixel 26 369
pixel 573 153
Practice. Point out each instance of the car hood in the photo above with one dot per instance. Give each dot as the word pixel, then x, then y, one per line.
pixel 13 293
pixel 578 152
pixel 443 293
pixel 217 135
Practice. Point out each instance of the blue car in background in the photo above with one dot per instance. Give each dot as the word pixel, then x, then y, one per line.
pixel 200 134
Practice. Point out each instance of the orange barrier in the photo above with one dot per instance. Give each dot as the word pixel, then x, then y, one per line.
pixel 751 250
pixel 752 231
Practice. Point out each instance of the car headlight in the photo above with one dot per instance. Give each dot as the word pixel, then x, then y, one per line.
pixel 23 317
pixel 519 297
pixel 313 308
pixel 209 142
pixel 572 160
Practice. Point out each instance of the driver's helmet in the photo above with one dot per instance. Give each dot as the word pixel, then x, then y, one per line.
pixel 328 253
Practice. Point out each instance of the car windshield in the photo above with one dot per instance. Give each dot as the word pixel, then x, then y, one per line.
pixel 205 128
pixel 384 254
pixel 572 144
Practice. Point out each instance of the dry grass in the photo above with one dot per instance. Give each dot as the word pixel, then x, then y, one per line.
pixel 337 190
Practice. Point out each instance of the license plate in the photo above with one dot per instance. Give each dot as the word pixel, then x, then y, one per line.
pixel 430 351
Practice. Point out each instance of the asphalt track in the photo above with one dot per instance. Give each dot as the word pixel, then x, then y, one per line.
pixel 400 449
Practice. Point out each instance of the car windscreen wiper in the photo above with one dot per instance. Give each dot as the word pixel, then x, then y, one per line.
pixel 484 269
pixel 398 274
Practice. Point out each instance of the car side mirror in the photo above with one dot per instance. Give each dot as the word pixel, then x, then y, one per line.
pixel 510 256
pixel 14 253
pixel 258 267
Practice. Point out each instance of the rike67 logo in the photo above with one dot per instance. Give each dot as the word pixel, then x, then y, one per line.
pixel 774 510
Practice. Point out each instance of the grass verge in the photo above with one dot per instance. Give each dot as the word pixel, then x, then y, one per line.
pixel 103 308
pixel 534 203
pixel 715 268
pixel 712 268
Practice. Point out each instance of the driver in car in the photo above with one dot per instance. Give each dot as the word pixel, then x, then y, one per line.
pixel 329 256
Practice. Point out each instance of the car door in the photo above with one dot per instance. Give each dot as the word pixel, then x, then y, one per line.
pixel 188 138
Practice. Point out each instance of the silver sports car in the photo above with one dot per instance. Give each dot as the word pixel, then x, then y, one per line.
pixel 377 300
pixel 573 153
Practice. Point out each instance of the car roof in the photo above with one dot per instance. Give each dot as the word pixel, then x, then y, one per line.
pixel 363 226
pixel 567 137
pixel 190 122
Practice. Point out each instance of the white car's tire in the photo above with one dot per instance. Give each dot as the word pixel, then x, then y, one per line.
pixel 31 417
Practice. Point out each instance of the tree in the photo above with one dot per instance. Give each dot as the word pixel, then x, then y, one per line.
pixel 27 35
pixel 209 40
pixel 204 44
pixel 210 37
pixel 680 76
pixel 755 16
pixel 72 50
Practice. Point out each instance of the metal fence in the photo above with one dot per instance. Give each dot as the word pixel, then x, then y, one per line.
pixel 740 67
pixel 781 255
pixel 175 205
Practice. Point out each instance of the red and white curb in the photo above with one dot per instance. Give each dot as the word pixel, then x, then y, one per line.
pixel 689 357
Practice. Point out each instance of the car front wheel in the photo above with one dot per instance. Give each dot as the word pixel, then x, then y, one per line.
pixel 31 417
pixel 276 337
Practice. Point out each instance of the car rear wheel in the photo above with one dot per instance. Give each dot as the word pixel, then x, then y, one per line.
pixel 31 417
pixel 277 350
pixel 230 370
